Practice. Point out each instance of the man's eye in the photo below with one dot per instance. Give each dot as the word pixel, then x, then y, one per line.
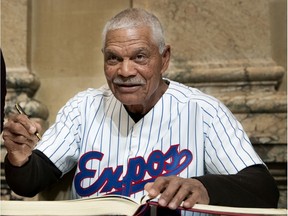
pixel 140 58
pixel 112 59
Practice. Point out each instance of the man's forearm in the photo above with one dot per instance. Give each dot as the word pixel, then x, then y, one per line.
pixel 251 187
pixel 35 175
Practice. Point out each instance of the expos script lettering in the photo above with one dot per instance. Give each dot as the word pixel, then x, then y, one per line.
pixel 158 164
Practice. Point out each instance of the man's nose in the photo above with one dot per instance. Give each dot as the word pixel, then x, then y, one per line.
pixel 126 69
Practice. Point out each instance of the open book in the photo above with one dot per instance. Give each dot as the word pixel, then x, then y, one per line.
pixel 117 205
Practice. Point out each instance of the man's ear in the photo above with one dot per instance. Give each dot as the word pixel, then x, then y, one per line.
pixel 165 58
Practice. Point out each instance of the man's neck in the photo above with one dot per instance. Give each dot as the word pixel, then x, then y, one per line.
pixel 136 114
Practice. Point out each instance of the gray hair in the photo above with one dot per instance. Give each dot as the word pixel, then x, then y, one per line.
pixel 134 18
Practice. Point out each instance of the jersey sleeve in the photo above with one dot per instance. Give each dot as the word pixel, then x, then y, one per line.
pixel 60 143
pixel 34 176
pixel 227 147
pixel 251 187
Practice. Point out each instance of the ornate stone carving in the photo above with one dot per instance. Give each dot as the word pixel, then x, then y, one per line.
pixel 21 88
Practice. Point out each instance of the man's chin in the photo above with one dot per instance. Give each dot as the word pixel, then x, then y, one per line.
pixel 129 99
pixel 130 102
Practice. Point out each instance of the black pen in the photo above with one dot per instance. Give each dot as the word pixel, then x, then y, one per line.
pixel 21 111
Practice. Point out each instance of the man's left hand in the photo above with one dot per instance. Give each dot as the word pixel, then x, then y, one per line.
pixel 174 190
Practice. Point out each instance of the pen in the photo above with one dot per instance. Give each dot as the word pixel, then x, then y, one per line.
pixel 21 111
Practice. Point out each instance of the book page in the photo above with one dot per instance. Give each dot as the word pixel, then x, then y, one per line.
pixel 115 205
pixel 225 210
pixel 94 206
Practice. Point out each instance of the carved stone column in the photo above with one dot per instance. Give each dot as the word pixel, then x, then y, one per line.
pixel 223 47
pixel 22 83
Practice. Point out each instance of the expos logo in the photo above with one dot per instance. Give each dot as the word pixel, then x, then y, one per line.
pixel 158 164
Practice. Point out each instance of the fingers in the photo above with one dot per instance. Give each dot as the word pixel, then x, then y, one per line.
pixel 156 187
pixel 176 191
pixel 37 126
pixel 26 123
pixel 199 195
pixel 19 129
pixel 170 196
pixel 19 138
pixel 148 187
pixel 167 186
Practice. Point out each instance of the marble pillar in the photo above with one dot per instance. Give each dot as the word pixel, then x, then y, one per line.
pixel 22 83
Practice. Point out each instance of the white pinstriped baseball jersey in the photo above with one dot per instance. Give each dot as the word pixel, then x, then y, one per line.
pixel 187 133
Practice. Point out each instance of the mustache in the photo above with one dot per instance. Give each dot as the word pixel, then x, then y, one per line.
pixel 128 81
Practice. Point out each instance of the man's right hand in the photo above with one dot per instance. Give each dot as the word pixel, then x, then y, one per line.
pixel 19 138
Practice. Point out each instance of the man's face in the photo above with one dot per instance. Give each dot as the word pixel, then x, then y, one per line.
pixel 133 66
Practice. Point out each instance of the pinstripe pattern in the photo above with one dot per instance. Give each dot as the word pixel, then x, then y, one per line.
pixel 95 121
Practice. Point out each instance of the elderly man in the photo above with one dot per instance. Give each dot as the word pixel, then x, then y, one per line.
pixel 142 132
